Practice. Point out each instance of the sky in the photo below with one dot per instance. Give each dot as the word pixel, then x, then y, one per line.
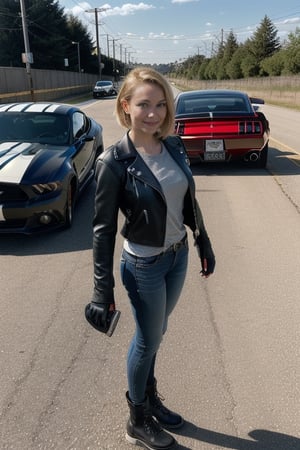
pixel 166 31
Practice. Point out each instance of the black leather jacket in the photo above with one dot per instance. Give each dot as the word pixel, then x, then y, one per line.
pixel 124 182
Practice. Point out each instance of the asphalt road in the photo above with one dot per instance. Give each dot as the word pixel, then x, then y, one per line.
pixel 230 361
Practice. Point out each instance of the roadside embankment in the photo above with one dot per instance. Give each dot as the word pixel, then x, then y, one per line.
pixel 281 91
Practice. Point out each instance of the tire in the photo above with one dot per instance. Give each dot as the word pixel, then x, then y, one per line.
pixel 69 208
pixel 262 162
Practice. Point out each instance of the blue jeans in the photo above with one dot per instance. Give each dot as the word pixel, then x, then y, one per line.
pixel 153 285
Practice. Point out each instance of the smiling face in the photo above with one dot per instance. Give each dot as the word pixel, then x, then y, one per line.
pixel 147 108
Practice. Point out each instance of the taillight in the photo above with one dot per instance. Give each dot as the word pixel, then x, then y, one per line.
pixel 179 128
pixel 250 127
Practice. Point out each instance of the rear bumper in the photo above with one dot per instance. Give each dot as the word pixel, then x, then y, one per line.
pixel 234 149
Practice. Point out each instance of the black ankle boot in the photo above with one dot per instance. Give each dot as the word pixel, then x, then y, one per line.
pixel 143 429
pixel 166 418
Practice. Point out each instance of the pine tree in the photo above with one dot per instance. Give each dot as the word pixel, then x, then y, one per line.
pixel 264 43
pixel 11 37
pixel 51 33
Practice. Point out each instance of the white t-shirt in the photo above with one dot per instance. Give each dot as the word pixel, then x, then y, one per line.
pixel 174 185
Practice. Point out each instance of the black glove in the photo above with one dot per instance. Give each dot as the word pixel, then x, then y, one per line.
pixel 205 251
pixel 102 316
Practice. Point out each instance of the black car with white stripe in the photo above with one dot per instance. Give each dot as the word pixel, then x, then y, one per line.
pixel 47 157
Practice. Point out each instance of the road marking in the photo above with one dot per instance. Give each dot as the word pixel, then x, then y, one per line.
pixel 295 158
pixel 284 146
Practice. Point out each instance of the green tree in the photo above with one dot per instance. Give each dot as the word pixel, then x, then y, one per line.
pixel 229 48
pixel 77 33
pixel 212 69
pixel 47 30
pixel 263 44
pixel 292 53
pixel 234 66
pixel 273 65
pixel 11 37
pixel 50 33
pixel 196 62
pixel 202 69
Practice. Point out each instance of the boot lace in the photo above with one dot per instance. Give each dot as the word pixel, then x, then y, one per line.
pixel 157 402
pixel 151 426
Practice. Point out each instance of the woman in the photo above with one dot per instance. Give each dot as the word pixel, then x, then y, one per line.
pixel 146 175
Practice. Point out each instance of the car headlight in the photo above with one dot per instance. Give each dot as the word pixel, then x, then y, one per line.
pixel 46 188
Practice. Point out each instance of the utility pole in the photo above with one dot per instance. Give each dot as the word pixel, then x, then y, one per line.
pixel 114 57
pixel 107 45
pixel 126 48
pixel 95 11
pixel 78 54
pixel 28 55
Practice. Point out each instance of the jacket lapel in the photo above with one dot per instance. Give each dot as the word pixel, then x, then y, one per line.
pixel 137 168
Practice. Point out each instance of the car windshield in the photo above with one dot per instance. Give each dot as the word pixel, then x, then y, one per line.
pixel 52 129
pixel 103 83
pixel 211 103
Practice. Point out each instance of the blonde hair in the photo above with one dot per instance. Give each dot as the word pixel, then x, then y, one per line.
pixel 146 75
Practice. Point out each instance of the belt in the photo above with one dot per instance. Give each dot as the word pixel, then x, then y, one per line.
pixel 175 247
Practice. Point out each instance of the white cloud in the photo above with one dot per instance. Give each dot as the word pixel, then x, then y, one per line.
pixel 108 10
pixel 184 1
pixel 77 10
pixel 289 21
pixel 126 9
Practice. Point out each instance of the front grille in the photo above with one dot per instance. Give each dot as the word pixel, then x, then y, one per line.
pixel 12 223
pixel 11 193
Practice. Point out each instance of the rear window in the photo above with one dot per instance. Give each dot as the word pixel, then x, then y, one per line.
pixel 204 104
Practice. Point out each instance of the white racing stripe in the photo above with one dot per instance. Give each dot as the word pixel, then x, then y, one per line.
pixel 42 107
pixel 30 107
pixel 52 108
pixel 13 163
pixel 5 107
pixel 2 218
pixel 19 107
pixel 9 150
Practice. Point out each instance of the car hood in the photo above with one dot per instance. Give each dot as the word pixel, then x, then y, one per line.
pixel 23 162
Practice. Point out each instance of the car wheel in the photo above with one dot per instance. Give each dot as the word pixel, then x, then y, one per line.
pixel 69 208
pixel 262 162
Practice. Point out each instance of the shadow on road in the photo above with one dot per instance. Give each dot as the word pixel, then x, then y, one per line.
pixel 279 161
pixel 77 238
pixel 260 439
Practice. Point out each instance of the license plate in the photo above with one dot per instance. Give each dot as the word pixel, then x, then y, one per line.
pixel 214 156
pixel 214 145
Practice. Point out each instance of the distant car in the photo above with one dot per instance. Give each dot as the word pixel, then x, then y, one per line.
pixel 47 157
pixel 222 125
pixel 104 89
